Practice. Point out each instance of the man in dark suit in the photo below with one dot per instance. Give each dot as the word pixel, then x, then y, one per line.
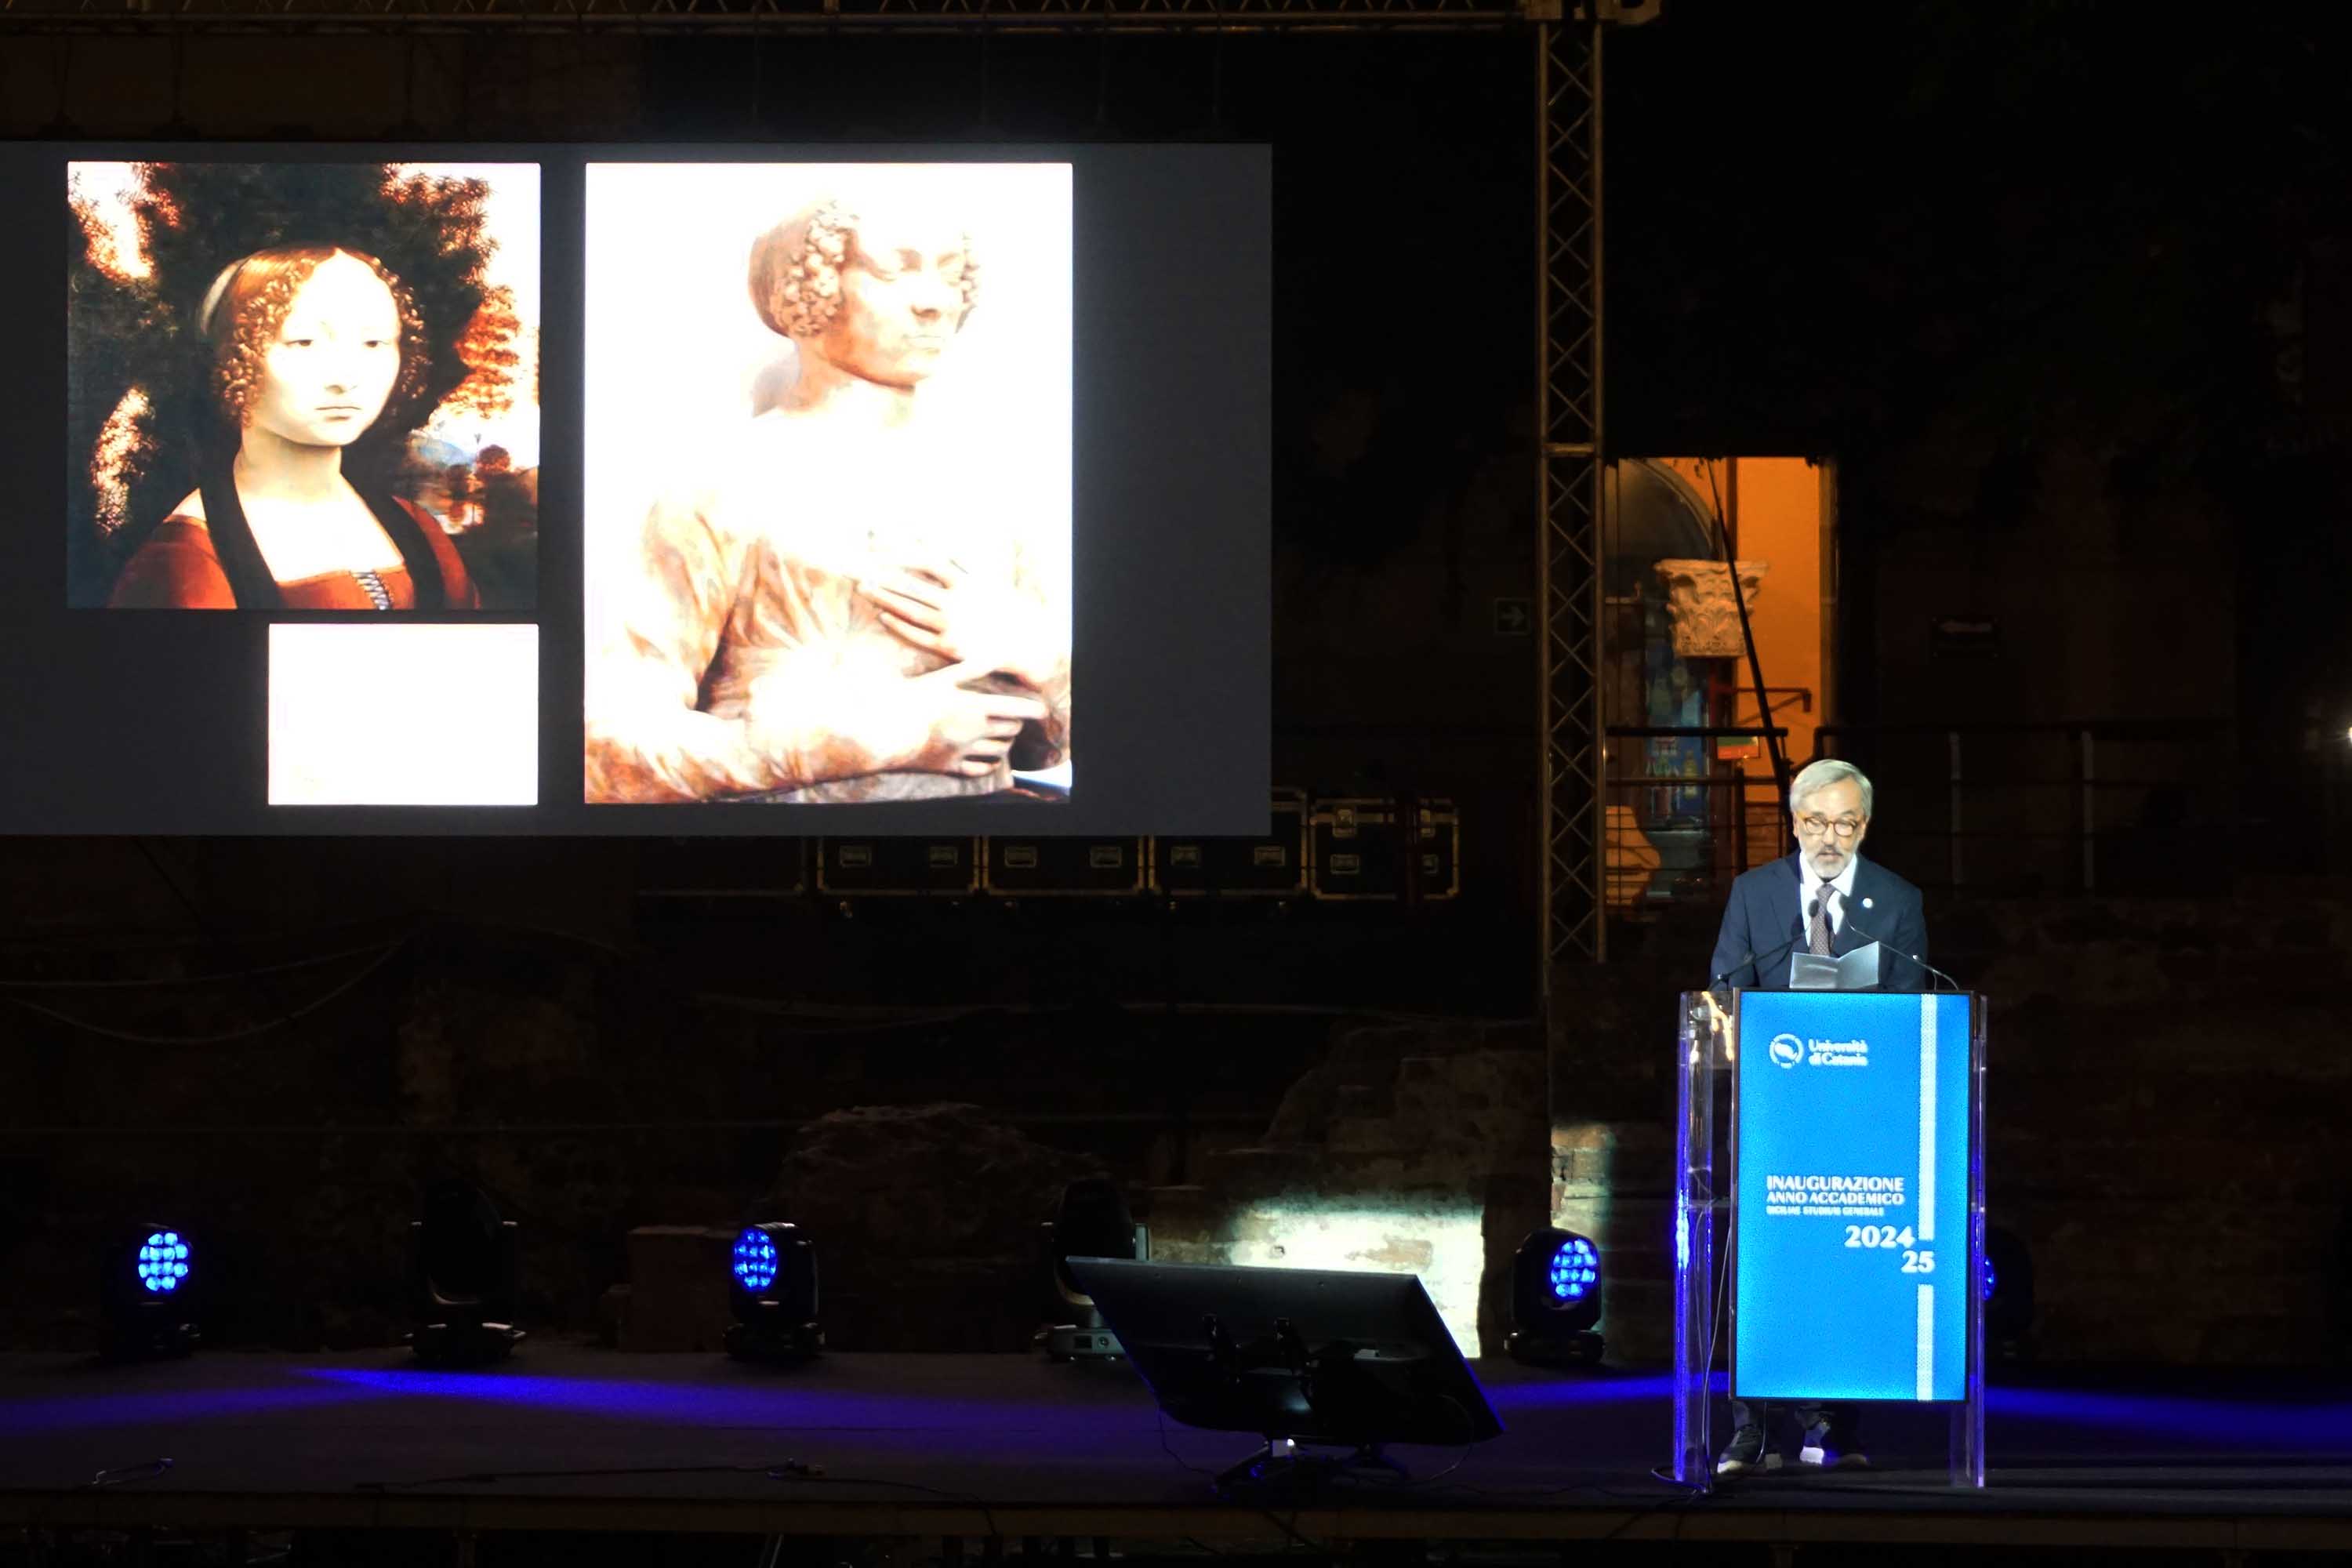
pixel 1824 899
pixel 1827 900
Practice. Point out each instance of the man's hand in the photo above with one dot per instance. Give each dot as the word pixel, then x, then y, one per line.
pixel 946 611
pixel 890 723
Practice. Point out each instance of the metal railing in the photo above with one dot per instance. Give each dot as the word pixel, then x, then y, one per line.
pixel 2092 805
pixel 1685 814
pixel 2087 805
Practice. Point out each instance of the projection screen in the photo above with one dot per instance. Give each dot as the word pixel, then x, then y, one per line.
pixel 583 490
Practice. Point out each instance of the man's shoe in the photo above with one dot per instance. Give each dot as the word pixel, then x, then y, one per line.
pixel 1818 1456
pixel 1746 1450
pixel 1819 1453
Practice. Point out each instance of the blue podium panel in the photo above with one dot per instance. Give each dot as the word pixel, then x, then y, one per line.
pixel 1850 1251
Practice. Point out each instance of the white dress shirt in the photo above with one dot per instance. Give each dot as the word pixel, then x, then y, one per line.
pixel 1812 887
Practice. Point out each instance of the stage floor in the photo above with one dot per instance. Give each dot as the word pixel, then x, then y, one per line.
pixel 571 1437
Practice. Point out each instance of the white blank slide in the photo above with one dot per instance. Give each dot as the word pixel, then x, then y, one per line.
pixel 403 715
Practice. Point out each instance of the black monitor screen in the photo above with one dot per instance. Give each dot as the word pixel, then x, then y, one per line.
pixel 1310 1355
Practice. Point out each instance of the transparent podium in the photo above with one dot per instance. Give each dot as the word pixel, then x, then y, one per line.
pixel 1829 1217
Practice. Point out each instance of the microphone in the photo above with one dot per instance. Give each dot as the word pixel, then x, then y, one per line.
pixel 1757 959
pixel 1860 930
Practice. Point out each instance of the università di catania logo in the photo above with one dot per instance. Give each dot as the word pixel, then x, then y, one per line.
pixel 1787 1051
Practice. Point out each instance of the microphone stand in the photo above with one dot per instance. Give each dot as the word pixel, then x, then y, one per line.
pixel 1898 952
pixel 1758 961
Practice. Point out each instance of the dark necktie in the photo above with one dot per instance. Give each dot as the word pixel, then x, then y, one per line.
pixel 1818 937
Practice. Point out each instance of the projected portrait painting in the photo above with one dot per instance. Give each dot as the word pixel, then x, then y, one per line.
pixel 828 482
pixel 303 386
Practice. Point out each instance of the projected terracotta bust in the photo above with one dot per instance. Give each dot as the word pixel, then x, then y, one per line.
pixel 310 344
pixel 820 618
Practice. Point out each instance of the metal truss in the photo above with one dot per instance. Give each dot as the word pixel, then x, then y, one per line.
pixel 1568 495
pixel 412 16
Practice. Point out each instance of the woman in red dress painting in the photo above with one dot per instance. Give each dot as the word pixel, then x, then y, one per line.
pixel 309 344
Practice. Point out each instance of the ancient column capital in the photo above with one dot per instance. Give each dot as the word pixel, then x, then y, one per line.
pixel 1700 606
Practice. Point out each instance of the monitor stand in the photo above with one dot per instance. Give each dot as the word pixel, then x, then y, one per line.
pixel 1283 1469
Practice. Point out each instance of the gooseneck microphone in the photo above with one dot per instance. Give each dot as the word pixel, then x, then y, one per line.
pixel 1757 960
pixel 1862 930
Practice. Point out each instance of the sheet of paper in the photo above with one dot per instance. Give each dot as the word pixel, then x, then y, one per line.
pixel 1857 971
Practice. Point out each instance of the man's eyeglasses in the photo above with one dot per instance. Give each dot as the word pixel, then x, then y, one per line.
pixel 1814 826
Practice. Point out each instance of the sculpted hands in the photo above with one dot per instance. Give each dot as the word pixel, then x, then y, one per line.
pixel 925 723
pixel 945 610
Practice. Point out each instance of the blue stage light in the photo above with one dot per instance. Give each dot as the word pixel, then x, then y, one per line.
pixel 163 1260
pixel 1575 1269
pixel 1556 1298
pixel 467 1279
pixel 755 1260
pixel 147 1294
pixel 774 1291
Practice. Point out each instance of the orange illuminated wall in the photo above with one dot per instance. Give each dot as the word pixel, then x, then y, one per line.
pixel 1782 512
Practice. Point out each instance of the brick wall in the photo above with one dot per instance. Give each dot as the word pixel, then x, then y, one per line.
pixel 2168 1077
pixel 1411 1148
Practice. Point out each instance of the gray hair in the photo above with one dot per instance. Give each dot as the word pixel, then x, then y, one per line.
pixel 1821 773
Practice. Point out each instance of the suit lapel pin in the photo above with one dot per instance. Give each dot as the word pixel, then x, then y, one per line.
pixel 1865 904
